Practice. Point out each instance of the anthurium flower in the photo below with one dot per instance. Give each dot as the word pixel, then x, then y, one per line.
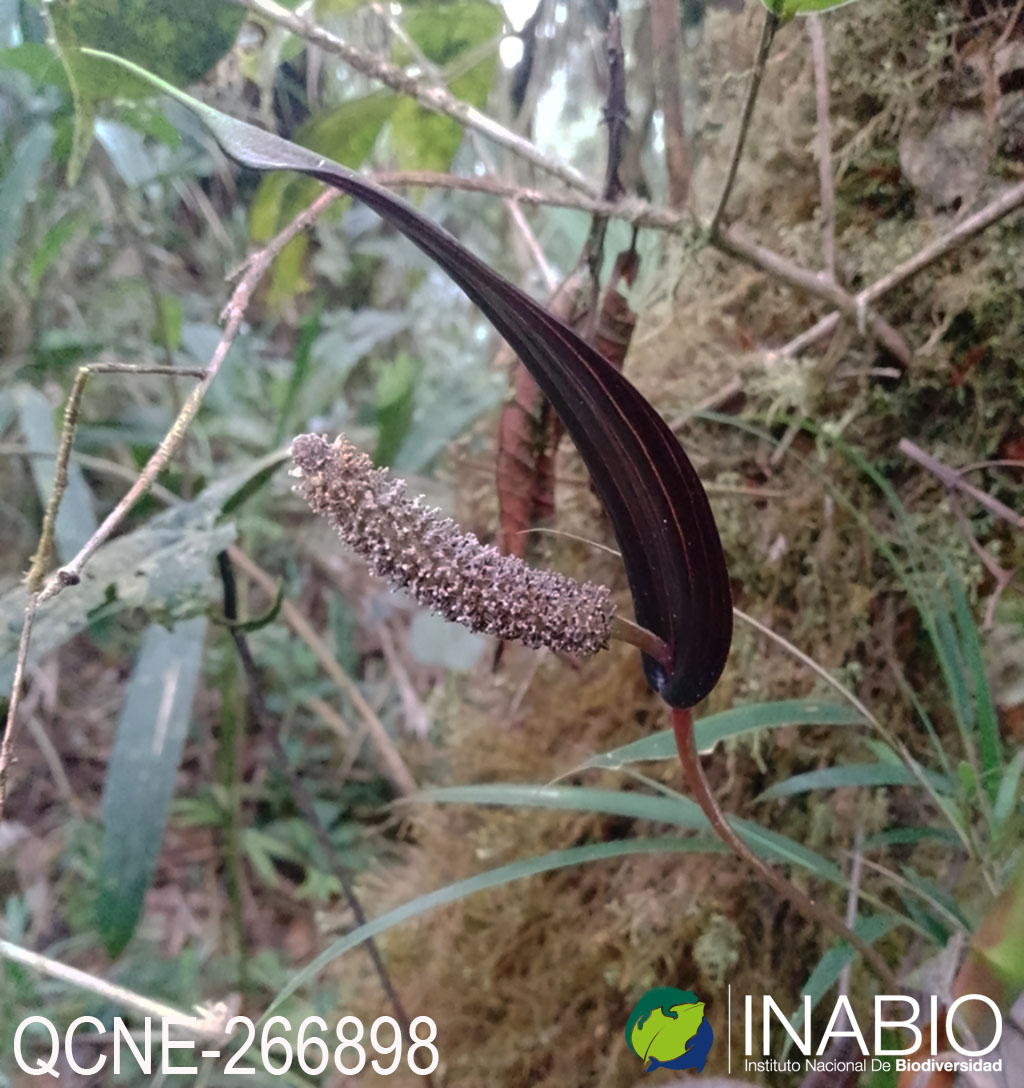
pixel 657 506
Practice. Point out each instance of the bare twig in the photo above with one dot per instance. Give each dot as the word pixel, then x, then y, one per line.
pixel 70 574
pixel 7 745
pixel 206 1021
pixel 771 24
pixel 667 44
pixel 616 114
pixel 417 720
pixel 823 286
pixel 1010 201
pixel 954 480
pixel 425 92
pixel 856 872
pixel 44 550
pixel 234 311
pixel 631 209
pixel 816 30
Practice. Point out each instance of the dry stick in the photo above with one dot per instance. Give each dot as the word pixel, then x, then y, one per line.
pixel 954 480
pixel 392 763
pixel 234 311
pixel 974 224
pixel 616 115
pixel 729 240
pixel 771 24
pixel 639 213
pixel 667 42
pixel 206 1021
pixel 426 93
pixel 693 773
pixel 70 574
pixel 44 551
pixel 819 54
pixel 631 209
pixel 302 798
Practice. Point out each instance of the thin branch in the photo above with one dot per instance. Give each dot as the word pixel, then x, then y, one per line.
pixel 44 550
pixel 18 687
pixel 819 54
pixel 631 209
pixel 640 213
pixel 70 574
pixel 730 241
pixel 234 311
pixel 1010 201
pixel 425 93
pixel 616 114
pixel 771 24
pixel 856 872
pixel 954 480
pixel 667 46
pixel 206 1021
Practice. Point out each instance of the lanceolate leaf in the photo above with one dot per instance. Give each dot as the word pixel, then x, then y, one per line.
pixel 654 498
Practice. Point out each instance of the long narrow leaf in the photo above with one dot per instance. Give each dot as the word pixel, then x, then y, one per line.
pixel 493 878
pixel 709 731
pixel 828 969
pixel 989 747
pixel 853 774
pixel 654 498
pixel 143 768
pixel 676 810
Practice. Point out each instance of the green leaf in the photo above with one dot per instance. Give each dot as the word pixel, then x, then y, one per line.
pixel 1008 792
pixel 345 133
pixel 39 63
pixel 904 836
pixel 168 322
pixel 423 139
pixel 788 8
pixel 19 185
pixel 76 519
pixel 855 775
pixel 179 40
pixel 676 810
pixel 57 237
pixel 984 716
pixel 826 974
pixel 493 878
pixel 396 392
pixel 143 768
pixel 711 730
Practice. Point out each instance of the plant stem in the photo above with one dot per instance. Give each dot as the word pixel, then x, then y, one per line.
pixel 771 24
pixel 624 630
pixel 693 773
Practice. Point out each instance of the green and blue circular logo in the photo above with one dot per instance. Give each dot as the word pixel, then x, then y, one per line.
pixel 668 1028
